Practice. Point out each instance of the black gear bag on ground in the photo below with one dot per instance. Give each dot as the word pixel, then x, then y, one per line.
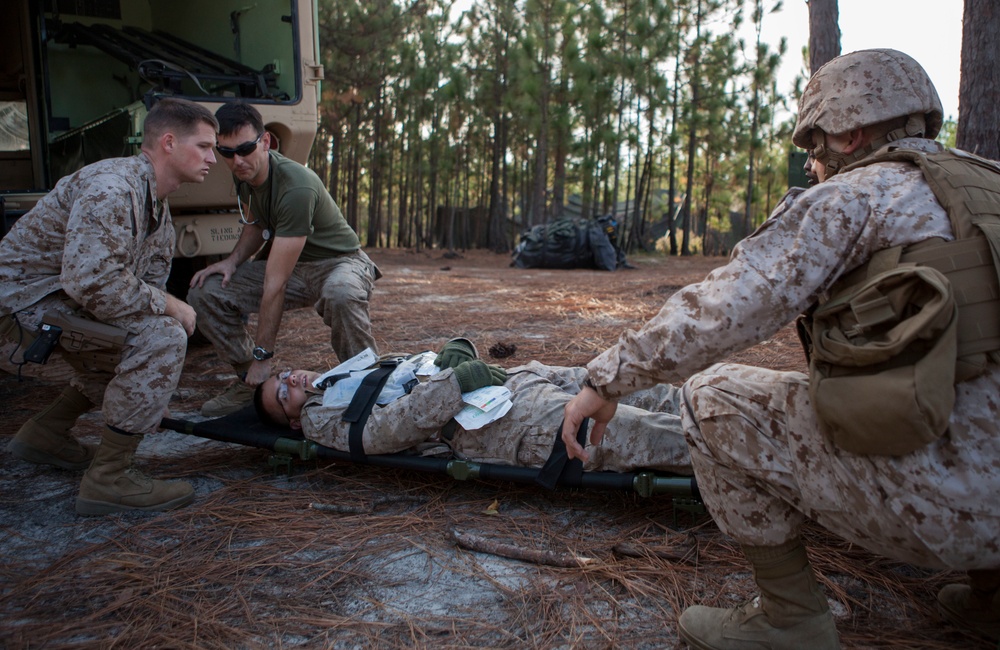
pixel 568 243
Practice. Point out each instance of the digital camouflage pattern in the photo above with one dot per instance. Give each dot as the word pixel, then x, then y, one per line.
pixel 339 288
pixel 862 88
pixel 332 273
pixel 761 460
pixel 91 237
pixel 763 467
pixel 636 437
pixel 101 243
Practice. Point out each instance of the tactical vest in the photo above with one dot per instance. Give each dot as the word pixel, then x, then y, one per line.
pixel 895 335
pixel 968 188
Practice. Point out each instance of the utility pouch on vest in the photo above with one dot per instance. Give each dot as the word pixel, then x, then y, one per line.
pixel 88 344
pixel 882 361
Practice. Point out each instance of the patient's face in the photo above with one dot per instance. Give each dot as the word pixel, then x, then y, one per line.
pixel 283 395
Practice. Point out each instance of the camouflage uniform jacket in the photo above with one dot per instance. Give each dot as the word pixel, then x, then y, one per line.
pixel 93 237
pixel 647 435
pixel 810 240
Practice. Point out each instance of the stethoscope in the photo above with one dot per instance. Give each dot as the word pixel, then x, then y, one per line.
pixel 266 232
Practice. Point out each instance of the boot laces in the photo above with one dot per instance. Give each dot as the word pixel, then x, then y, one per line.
pixel 747 610
pixel 138 477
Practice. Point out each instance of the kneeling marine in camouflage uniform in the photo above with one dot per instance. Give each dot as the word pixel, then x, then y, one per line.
pixel 92 259
pixel 771 448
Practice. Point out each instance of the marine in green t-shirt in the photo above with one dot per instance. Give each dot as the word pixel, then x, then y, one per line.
pixel 293 202
pixel 296 250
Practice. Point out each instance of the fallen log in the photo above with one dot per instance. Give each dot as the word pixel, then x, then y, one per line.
pixel 548 557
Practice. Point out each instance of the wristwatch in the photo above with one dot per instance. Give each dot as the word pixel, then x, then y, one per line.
pixel 260 354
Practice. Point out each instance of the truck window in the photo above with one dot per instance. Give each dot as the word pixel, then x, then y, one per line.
pixel 13 126
pixel 77 78
pixel 105 63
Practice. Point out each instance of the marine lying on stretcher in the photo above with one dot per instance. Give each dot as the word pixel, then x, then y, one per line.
pixel 426 400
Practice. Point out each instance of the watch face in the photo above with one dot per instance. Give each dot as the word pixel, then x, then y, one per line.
pixel 260 354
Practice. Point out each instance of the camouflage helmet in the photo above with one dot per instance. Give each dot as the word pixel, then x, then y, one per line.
pixel 864 88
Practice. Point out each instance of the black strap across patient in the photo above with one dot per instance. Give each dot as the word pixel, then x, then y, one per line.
pixel 559 466
pixel 361 406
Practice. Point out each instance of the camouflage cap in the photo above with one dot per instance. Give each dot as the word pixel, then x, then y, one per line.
pixel 864 88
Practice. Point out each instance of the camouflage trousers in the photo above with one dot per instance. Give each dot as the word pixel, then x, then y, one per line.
pixel 338 288
pixel 134 398
pixel 645 432
pixel 763 466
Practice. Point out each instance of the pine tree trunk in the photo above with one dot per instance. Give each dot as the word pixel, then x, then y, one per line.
pixel 824 32
pixel 979 88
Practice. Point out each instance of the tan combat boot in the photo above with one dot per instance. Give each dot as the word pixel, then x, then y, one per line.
pixel 113 485
pixel 975 606
pixel 233 399
pixel 45 439
pixel 789 614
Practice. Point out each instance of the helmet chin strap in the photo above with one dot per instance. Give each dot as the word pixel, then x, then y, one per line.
pixel 833 161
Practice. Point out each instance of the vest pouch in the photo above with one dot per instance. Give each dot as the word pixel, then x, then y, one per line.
pixel 882 363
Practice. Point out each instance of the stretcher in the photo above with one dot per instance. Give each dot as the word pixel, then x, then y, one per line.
pixel 245 428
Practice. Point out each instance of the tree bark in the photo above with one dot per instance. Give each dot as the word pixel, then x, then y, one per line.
pixel 824 32
pixel 979 88
pixel 695 57
pixel 674 108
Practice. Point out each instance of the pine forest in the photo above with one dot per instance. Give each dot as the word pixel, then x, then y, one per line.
pixel 459 125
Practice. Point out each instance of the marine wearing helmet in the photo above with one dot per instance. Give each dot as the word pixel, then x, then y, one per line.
pixel 883 91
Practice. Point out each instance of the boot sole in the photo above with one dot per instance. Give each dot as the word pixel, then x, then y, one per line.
pixel 87 507
pixel 820 639
pixel 32 455
pixel 694 643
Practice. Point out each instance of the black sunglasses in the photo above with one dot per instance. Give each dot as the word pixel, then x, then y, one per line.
pixel 242 150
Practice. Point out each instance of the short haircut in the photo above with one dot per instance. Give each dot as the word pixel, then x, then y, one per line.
pixel 178 116
pixel 262 414
pixel 233 116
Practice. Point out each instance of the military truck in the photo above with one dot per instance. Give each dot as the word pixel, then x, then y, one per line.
pixel 78 76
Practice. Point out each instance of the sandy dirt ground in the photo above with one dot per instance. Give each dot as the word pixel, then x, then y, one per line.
pixel 337 555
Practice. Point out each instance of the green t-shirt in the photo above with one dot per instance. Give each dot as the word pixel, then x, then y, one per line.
pixel 294 202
